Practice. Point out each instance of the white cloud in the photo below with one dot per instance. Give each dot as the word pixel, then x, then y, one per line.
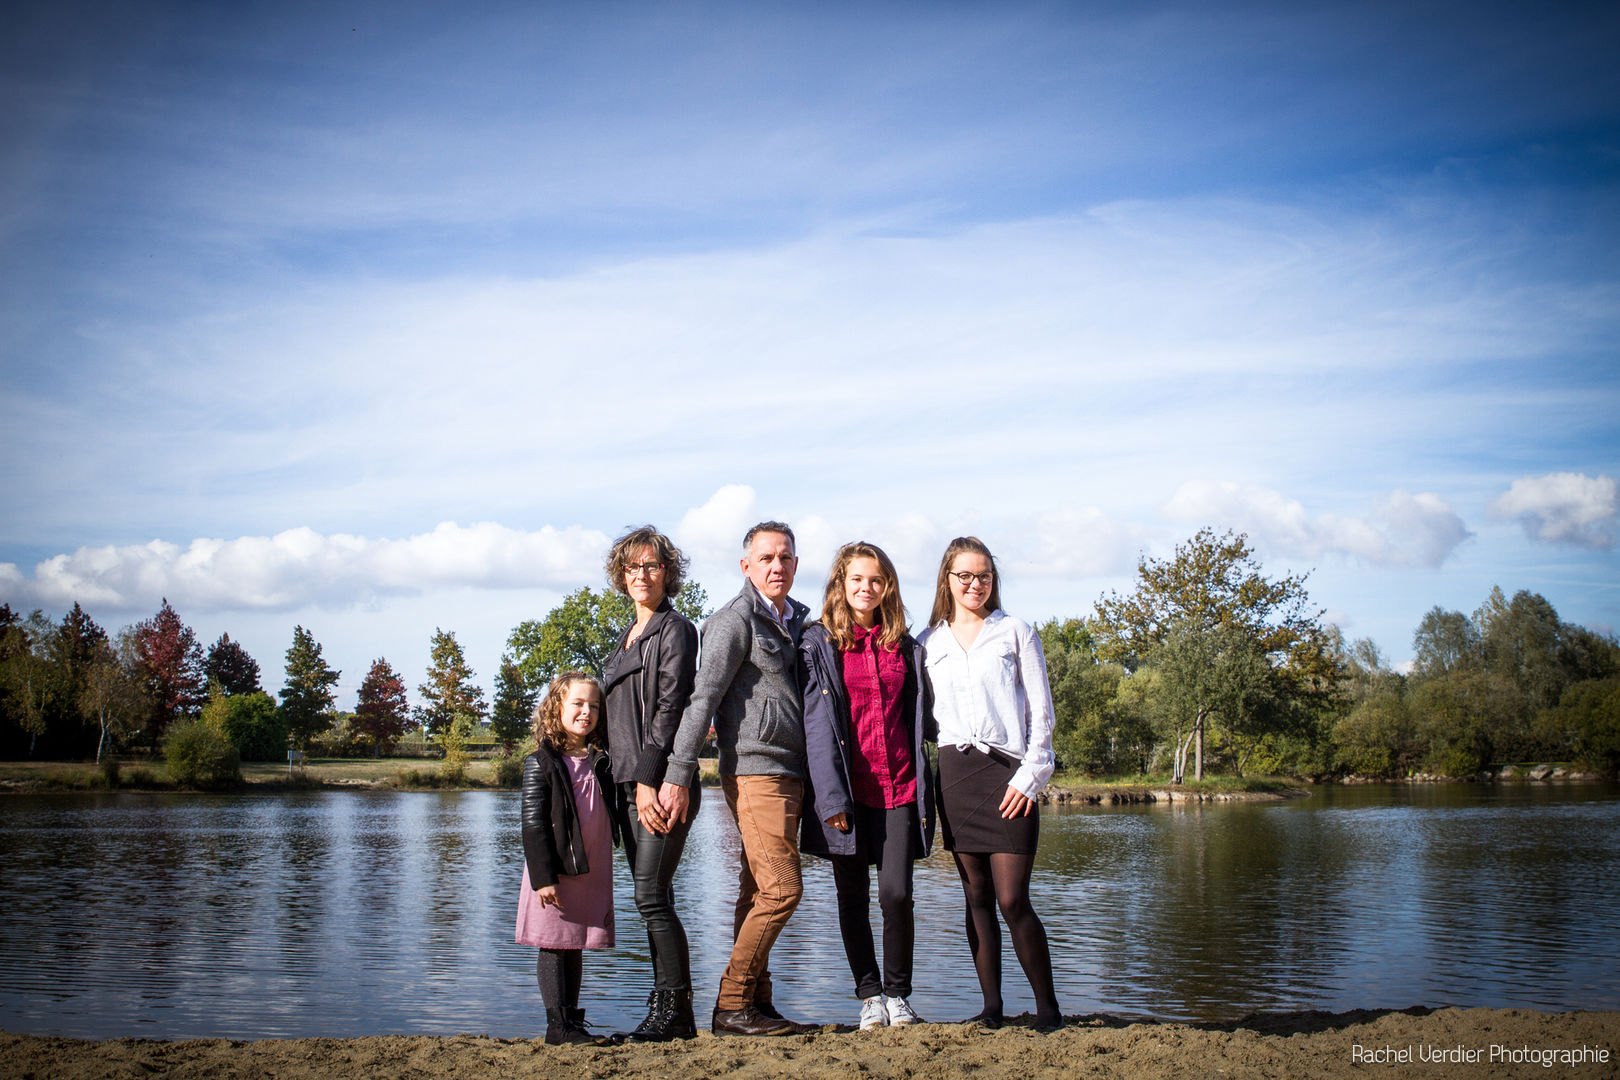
pixel 1563 508
pixel 1401 529
pixel 300 567
pixel 1083 542
pixel 711 535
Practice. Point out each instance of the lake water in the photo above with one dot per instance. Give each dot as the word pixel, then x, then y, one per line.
pixel 351 913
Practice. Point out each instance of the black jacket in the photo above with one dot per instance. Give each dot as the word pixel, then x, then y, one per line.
pixel 666 655
pixel 827 735
pixel 553 843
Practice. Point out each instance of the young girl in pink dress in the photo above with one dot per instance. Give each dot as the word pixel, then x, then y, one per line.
pixel 569 831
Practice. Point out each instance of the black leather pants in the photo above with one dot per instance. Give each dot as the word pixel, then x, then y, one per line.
pixel 653 859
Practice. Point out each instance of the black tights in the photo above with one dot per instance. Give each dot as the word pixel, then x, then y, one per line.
pixel 559 973
pixel 1001 879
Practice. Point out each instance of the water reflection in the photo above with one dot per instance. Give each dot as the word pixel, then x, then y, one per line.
pixel 349 913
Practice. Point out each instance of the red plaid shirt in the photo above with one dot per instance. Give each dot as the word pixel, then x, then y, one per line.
pixel 882 773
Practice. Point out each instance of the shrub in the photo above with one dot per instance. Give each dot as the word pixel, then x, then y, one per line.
pixel 109 771
pixel 199 756
pixel 139 778
pixel 506 770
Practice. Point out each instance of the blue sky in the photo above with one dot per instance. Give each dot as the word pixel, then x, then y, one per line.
pixel 381 318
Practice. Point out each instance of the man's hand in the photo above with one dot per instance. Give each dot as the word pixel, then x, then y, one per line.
pixel 675 801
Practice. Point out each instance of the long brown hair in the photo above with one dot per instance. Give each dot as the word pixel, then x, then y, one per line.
pixel 836 615
pixel 548 714
pixel 944 604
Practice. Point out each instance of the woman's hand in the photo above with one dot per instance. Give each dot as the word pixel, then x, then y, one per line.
pixel 839 822
pixel 547 896
pixel 1015 803
pixel 652 815
pixel 675 801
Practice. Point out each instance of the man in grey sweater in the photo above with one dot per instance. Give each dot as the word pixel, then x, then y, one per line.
pixel 747 683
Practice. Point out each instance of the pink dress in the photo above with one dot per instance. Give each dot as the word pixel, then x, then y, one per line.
pixel 586 918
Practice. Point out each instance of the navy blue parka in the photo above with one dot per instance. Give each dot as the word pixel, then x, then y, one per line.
pixel 828 734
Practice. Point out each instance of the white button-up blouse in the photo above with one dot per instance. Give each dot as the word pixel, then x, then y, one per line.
pixel 994 696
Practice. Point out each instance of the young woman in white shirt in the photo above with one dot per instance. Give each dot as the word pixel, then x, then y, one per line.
pixel 994 710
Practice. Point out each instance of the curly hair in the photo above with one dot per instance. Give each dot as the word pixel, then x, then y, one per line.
pixel 664 550
pixel 944 604
pixel 548 714
pixel 836 615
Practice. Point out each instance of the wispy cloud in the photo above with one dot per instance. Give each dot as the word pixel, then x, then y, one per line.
pixel 1563 508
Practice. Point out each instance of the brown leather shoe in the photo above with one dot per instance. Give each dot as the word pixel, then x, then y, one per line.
pixel 767 1010
pixel 750 1021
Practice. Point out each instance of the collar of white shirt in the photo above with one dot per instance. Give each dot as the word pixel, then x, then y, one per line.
pixel 780 614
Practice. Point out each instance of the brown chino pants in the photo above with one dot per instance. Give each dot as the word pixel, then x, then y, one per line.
pixel 766 809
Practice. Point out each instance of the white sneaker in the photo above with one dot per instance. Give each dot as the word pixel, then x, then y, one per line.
pixel 873 1013
pixel 900 1012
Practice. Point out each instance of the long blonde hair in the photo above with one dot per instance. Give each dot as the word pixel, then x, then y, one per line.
pixel 944 603
pixel 548 714
pixel 836 615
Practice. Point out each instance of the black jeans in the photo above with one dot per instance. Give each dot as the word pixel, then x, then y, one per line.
pixel 653 859
pixel 883 837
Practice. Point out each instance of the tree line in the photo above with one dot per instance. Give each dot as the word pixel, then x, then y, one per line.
pixel 1207 664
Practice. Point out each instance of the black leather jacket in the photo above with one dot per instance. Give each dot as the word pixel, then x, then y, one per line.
pixel 665 662
pixel 553 843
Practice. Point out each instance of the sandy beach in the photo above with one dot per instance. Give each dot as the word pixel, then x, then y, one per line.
pixel 1445 1042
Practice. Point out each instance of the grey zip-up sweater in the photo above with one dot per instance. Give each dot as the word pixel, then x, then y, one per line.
pixel 747 683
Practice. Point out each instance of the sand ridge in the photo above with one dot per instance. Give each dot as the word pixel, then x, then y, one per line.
pixel 1281 1045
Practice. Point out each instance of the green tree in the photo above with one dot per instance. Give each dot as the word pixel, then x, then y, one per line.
pixel 581 633
pixel 510 718
pixel 1090 735
pixel 454 742
pixel 381 712
pixel 1445 641
pixel 1235 645
pixel 70 649
pixel 111 696
pixel 250 722
pixel 26 684
pixel 449 690
pixel 1376 737
pixel 307 697
pixel 1457 717
pixel 1586 721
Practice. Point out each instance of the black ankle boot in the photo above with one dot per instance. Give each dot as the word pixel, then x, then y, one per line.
pixel 576 1021
pixel 650 1027
pixel 558 1030
pixel 669 1016
pixel 682 1024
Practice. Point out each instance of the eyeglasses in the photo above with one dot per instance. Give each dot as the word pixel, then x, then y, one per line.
pixel 636 569
pixel 967 579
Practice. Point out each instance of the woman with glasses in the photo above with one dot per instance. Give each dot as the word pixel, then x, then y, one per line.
pixel 866 716
pixel 649 679
pixel 995 716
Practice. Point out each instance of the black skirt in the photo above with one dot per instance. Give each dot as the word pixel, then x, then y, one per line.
pixel 971 787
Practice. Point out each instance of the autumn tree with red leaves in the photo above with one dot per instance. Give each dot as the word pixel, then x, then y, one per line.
pixel 382 712
pixel 169 664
